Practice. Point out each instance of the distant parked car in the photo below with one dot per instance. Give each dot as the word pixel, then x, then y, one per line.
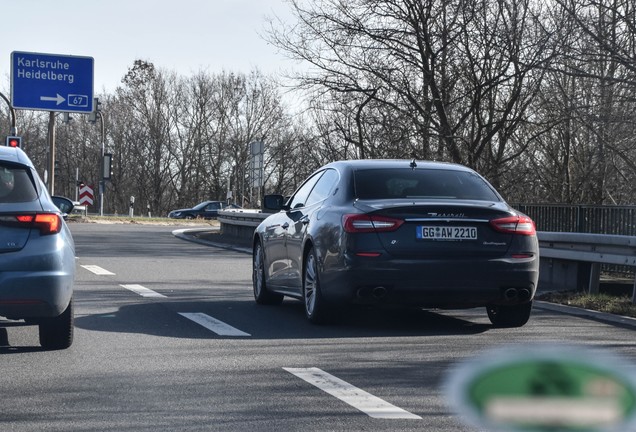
pixel 37 253
pixel 204 210
pixel 407 233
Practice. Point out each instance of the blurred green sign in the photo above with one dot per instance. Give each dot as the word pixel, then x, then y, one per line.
pixel 545 388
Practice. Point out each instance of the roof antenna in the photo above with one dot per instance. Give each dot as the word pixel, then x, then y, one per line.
pixel 413 165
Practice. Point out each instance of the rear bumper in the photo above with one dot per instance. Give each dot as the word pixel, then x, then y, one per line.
pixel 34 294
pixel 432 283
pixel 34 284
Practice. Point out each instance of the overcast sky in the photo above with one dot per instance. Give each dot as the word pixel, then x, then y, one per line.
pixel 179 35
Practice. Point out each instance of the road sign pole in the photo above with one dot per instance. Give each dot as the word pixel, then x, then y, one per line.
pixel 102 187
pixel 51 176
pixel 14 127
pixel 76 182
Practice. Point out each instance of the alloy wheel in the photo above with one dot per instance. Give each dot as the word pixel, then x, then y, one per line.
pixel 310 284
pixel 257 276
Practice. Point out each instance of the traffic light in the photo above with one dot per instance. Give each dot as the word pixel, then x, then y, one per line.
pixel 108 166
pixel 13 141
pixel 97 108
pixel 80 184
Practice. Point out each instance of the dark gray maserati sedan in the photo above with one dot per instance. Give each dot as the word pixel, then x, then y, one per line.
pixel 397 232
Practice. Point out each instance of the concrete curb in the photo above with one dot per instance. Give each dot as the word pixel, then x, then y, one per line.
pixel 187 234
pixel 586 313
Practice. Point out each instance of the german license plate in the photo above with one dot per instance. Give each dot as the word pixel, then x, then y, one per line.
pixel 447 233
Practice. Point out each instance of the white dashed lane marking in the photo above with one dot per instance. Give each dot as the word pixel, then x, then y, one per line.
pixel 357 398
pixel 213 324
pixel 97 270
pixel 143 291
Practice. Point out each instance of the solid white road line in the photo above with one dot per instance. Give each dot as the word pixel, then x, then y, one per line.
pixel 213 324
pixel 357 398
pixel 142 291
pixel 97 270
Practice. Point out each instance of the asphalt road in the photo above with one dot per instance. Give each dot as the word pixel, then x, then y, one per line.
pixel 170 339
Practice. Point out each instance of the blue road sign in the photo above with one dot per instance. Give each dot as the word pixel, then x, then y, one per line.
pixel 51 82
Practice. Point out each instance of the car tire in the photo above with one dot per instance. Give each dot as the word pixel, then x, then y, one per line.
pixel 316 308
pixel 57 333
pixel 508 316
pixel 261 294
pixel 188 217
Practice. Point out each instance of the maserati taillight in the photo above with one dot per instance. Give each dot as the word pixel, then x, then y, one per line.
pixel 363 223
pixel 515 225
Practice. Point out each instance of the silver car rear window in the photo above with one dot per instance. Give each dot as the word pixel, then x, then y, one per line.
pixel 391 183
pixel 16 184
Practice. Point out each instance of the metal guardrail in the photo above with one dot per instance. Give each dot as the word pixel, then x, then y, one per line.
pixel 598 248
pixel 240 223
pixel 616 220
pixel 575 259
pixel 568 260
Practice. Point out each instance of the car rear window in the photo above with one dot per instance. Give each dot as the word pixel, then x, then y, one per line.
pixel 16 184
pixel 388 183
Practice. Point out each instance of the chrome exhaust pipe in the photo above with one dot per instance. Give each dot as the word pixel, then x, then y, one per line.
pixel 379 292
pixel 511 293
pixel 363 292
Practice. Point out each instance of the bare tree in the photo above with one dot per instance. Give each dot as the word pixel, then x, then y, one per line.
pixel 462 72
pixel 148 96
pixel 586 155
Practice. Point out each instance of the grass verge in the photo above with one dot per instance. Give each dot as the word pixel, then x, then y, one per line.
pixel 139 220
pixel 608 303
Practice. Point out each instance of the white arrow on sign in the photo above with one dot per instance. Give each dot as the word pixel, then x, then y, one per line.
pixel 59 99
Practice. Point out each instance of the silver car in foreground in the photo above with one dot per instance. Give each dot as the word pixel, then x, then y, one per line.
pixel 37 253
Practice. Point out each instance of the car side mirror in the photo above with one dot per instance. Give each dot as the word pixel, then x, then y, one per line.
pixel 64 204
pixel 273 203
